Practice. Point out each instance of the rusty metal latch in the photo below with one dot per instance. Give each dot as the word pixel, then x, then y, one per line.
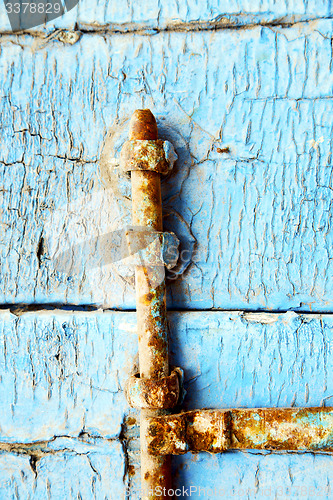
pixel 154 390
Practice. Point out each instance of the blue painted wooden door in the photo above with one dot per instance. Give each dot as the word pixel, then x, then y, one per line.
pixel 244 92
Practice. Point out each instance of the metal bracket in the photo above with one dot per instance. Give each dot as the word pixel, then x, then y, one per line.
pixel 162 393
pixel 215 431
pixel 155 155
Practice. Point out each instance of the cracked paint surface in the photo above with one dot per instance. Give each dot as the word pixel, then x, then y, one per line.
pixel 244 92
pixel 259 212
pixel 68 370
pixel 131 16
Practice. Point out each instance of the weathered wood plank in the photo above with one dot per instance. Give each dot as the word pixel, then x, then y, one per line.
pixel 158 15
pixel 99 475
pixel 252 475
pixel 252 359
pixel 64 373
pixel 67 470
pixel 260 211
pixel 93 475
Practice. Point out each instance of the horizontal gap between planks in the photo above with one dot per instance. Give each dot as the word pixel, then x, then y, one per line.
pixel 222 22
pixel 18 309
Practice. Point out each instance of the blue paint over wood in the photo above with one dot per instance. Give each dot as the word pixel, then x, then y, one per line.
pixel 260 212
pixel 63 374
pixel 249 112
pixel 255 475
pixel 155 15
pixel 90 471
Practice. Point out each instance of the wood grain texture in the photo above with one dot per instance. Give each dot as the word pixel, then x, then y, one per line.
pixel 158 15
pixel 69 474
pixel 252 475
pixel 62 377
pixel 252 187
pixel 64 374
pixel 68 470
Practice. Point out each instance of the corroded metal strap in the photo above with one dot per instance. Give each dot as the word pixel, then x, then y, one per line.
pixel 214 431
pixel 160 393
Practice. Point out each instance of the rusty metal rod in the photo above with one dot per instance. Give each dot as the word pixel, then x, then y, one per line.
pixel 215 431
pixel 150 305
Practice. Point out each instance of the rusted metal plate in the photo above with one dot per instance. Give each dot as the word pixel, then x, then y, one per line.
pixel 305 429
pixel 214 431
